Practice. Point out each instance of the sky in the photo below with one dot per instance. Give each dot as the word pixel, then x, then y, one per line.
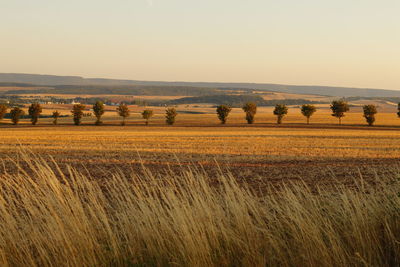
pixel 305 42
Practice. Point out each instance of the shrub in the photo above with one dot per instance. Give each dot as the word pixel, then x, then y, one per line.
pixel 251 109
pixel 98 110
pixel 398 108
pixel 308 111
pixel 16 114
pixel 280 111
pixel 34 112
pixel 55 115
pixel 77 112
pixel 339 108
pixel 124 112
pixel 3 111
pixel 369 113
pixel 147 114
pixel 223 113
pixel 170 114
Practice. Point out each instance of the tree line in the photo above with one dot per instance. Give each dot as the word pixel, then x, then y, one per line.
pixel 78 112
pixel 338 108
pixel 236 101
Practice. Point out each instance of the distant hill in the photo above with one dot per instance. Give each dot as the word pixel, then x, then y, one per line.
pixel 239 100
pixel 53 80
pixel 118 90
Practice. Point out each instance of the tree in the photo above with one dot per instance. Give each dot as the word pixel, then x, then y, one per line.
pixel 34 112
pixel 147 114
pixel 398 108
pixel 223 113
pixel 77 112
pixel 280 111
pixel 98 110
pixel 339 107
pixel 16 114
pixel 3 111
pixel 251 109
pixel 124 112
pixel 170 114
pixel 308 111
pixel 56 115
pixel 369 113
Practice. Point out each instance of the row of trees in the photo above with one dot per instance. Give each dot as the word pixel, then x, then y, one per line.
pixel 338 107
pixel 35 110
pixel 122 110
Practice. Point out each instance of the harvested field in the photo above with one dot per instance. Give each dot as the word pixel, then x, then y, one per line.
pixel 273 153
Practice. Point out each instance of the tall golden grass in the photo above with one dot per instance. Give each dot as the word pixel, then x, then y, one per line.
pixel 54 217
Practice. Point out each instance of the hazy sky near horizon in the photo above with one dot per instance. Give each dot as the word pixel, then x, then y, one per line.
pixel 314 42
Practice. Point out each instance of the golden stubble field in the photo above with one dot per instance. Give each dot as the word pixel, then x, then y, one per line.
pixel 261 150
pixel 232 143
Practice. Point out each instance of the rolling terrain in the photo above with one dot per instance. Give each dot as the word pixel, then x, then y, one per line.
pixel 52 80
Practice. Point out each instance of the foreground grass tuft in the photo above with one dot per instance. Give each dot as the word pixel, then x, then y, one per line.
pixel 67 218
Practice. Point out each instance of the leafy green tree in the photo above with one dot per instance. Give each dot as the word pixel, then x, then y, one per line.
pixel 147 114
pixel 170 114
pixel 55 115
pixel 250 108
pixel 369 113
pixel 398 109
pixel 308 111
pixel 77 112
pixel 3 111
pixel 124 112
pixel 223 113
pixel 98 110
pixel 16 114
pixel 339 108
pixel 34 112
pixel 280 111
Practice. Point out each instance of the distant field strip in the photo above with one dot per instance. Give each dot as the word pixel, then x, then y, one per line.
pixel 221 143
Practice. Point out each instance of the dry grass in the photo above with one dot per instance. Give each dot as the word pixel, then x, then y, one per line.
pixel 92 206
pixel 51 217
pixel 139 196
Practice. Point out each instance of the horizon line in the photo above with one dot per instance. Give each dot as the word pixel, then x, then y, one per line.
pixel 209 82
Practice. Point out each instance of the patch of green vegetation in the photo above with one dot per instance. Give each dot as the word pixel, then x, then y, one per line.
pixel 239 100
pixel 123 90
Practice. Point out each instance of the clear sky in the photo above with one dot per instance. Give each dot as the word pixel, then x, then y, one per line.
pixel 314 42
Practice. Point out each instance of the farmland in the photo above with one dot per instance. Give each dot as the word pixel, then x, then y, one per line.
pixel 200 193
pixel 262 149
